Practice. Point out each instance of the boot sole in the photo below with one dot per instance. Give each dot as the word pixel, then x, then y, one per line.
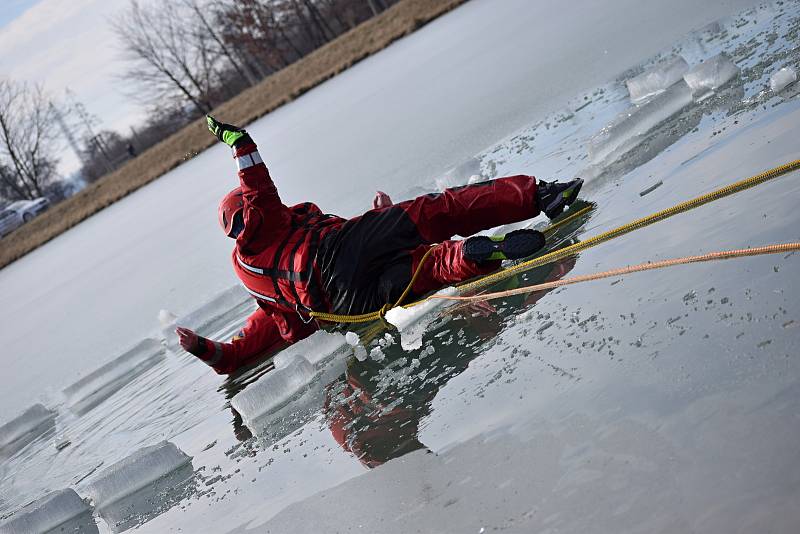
pixel 515 245
pixel 556 207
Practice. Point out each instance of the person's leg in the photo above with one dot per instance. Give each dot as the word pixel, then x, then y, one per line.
pixel 472 208
pixel 445 265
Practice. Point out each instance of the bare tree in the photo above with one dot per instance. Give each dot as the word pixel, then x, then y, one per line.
pixel 169 57
pixel 27 140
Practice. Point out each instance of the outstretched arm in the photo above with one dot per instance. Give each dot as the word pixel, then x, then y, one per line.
pixel 259 337
pixel 262 205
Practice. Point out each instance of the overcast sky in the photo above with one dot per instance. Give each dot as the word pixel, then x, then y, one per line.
pixel 69 44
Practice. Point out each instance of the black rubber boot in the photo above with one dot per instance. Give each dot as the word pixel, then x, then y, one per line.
pixel 512 246
pixel 553 197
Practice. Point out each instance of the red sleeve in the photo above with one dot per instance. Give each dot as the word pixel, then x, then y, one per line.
pixel 262 204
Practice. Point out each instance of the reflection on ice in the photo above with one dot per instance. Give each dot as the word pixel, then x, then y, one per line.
pixel 60 511
pixel 657 79
pixel 135 472
pixel 99 385
pixel 710 75
pixel 26 427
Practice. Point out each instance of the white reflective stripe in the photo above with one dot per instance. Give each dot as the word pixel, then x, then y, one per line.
pixel 248 160
pixel 249 267
pixel 259 295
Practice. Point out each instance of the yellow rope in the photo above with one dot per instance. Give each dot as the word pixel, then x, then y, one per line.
pixel 723 255
pixel 571 250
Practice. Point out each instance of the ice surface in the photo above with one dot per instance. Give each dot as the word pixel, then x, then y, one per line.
pixel 780 79
pixel 657 79
pixel 710 75
pixel 628 129
pixel 33 422
pixel 413 322
pixel 315 349
pixel 274 389
pixel 133 473
pixel 99 385
pixel 205 314
pixel 48 513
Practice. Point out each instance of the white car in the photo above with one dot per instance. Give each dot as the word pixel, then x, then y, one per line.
pixel 19 212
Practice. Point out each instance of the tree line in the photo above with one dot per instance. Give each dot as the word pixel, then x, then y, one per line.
pixel 184 57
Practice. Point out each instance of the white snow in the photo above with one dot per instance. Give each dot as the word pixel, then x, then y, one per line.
pixel 32 422
pixel 100 384
pixel 413 322
pixel 781 78
pixel 710 75
pixel 657 79
pixel 274 389
pixel 627 130
pixel 315 349
pixel 134 472
pixel 47 513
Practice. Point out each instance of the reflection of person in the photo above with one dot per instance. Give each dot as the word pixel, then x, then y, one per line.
pixel 297 259
pixel 363 414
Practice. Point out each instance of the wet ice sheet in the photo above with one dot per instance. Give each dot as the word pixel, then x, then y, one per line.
pixel 133 473
pixel 59 511
pixel 24 428
pixel 97 386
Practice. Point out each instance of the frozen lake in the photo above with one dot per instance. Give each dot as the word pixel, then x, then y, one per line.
pixel 662 401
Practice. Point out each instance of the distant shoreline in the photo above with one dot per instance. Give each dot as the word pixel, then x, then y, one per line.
pixel 271 93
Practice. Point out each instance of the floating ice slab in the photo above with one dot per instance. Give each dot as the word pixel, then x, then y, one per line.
pixel 31 423
pixel 99 385
pixel 133 473
pixel 413 322
pixel 315 349
pixel 273 390
pixel 780 79
pixel 657 79
pixel 629 128
pixel 48 513
pixel 710 75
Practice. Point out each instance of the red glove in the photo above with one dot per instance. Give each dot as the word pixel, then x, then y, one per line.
pixel 191 342
pixel 381 200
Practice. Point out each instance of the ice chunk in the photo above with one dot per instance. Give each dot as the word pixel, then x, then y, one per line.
pixel 627 130
pixel 710 75
pixel 352 338
pixel 135 472
pixel 315 349
pixel 63 510
pixel 274 389
pixel 413 322
pixel 150 501
pixel 657 79
pixel 24 428
pixel 99 385
pixel 780 79
pixel 166 318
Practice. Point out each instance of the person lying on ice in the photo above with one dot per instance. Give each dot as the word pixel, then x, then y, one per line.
pixel 296 259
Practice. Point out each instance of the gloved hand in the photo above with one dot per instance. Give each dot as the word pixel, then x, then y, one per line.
pixel 191 342
pixel 381 200
pixel 229 134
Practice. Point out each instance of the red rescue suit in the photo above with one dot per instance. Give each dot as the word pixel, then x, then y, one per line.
pixel 297 259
